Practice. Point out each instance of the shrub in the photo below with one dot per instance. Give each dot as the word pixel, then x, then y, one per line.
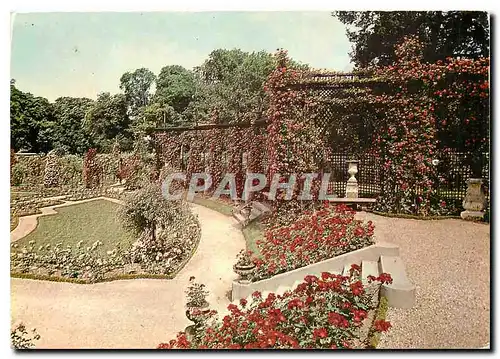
pixel 17 175
pixel 51 174
pixel 313 237
pixel 92 171
pixel 321 313
pixel 167 230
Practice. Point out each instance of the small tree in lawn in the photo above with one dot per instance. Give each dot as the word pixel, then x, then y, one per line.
pixel 146 211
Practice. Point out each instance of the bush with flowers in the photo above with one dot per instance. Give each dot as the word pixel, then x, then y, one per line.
pixel 321 313
pixel 313 237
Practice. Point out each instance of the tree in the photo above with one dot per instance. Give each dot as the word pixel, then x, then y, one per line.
pixel 445 34
pixel 31 121
pixel 68 130
pixel 136 86
pixel 232 83
pixel 175 87
pixel 107 121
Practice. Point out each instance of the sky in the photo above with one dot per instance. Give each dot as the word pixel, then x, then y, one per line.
pixel 83 54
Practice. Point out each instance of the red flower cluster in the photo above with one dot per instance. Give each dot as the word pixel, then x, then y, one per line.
pixel 381 325
pixel 320 313
pixel 313 237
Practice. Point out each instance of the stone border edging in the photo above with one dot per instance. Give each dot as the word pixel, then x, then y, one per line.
pixel 335 264
pixel 410 216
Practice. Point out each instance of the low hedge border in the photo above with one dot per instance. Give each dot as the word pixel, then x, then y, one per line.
pixel 83 281
pixel 411 216
pixel 380 314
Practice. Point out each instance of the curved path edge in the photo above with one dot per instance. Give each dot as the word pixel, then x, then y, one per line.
pixel 137 313
pixel 28 224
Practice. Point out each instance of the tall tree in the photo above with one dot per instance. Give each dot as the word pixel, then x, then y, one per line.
pixel 136 87
pixel 31 121
pixel 175 87
pixel 375 34
pixel 107 120
pixel 232 83
pixel 68 131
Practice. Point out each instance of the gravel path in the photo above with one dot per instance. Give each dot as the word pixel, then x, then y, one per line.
pixel 449 262
pixel 129 314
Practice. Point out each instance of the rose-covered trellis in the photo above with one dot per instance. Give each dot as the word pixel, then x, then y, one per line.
pixel 428 110
pixel 409 116
pixel 215 151
pixel 406 116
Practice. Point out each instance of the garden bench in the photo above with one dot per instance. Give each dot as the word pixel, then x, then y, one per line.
pixel 354 202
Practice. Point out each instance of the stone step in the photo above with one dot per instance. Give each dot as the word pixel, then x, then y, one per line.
pixel 346 271
pixel 239 217
pixel 401 293
pixel 368 268
pixel 260 207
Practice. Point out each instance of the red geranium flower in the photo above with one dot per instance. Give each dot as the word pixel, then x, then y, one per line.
pixel 381 325
pixel 320 333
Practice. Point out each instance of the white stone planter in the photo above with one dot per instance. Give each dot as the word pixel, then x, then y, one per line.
pixel 336 264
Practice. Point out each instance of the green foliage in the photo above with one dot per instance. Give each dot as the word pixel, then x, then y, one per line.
pixel 22 339
pixel 175 87
pixel 136 86
pixel 231 82
pixel 68 133
pixel 31 121
pixel 29 170
pixel 449 33
pixel 107 119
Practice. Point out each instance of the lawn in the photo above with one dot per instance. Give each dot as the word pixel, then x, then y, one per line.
pixel 88 222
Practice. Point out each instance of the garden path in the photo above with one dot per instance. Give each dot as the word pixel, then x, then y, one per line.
pixel 139 313
pixel 449 262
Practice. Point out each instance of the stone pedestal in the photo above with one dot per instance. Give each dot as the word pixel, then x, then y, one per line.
pixel 352 188
pixel 475 200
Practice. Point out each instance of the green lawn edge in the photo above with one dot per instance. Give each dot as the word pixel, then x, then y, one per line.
pixel 380 314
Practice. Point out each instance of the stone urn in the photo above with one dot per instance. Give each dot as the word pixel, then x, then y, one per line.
pixel 197 315
pixel 352 188
pixel 245 271
pixel 475 200
pixel 246 211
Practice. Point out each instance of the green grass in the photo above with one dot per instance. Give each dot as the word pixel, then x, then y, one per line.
pixel 252 233
pixel 380 314
pixel 87 222
pixel 219 206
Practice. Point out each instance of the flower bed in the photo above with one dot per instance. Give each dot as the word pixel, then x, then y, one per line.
pixel 85 262
pixel 313 237
pixel 321 313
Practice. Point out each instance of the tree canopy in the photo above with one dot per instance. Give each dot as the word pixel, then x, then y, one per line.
pixel 375 34
pixel 136 86
pixel 229 83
